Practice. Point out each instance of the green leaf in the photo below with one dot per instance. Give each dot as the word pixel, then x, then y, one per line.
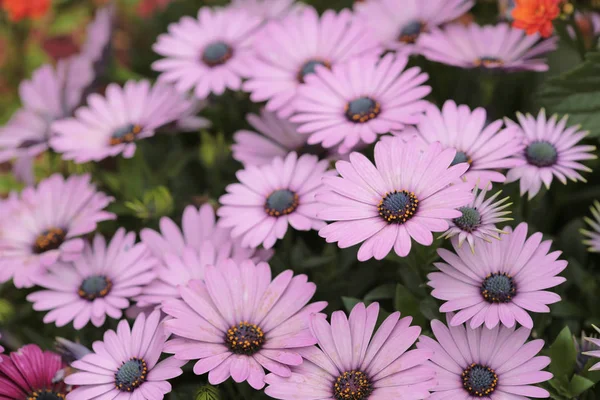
pixel 385 291
pixel 407 304
pixel 350 302
pixel 563 354
pixel 576 93
pixel 208 392
pixel 579 384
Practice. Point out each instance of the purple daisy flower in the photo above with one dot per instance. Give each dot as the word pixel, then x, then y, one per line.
pixel 208 54
pixel 110 125
pixel 238 321
pixel 99 34
pixel 399 24
pixel 356 363
pixel 593 237
pixel 551 149
pixel 487 148
pixel 176 271
pixel 267 9
pixel 594 353
pixel 479 219
pixel 97 284
pixel 360 99
pixel 198 226
pixel 500 281
pixel 47 226
pixel 125 365
pixel 28 374
pixel 269 197
pixel 495 364
pixel 274 137
pixel 385 209
pixel 497 47
pixel 289 49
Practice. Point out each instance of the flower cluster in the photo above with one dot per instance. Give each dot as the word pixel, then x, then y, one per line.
pixel 332 89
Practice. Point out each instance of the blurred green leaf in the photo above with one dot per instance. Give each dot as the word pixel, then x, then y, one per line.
pixel 407 304
pixel 208 392
pixel 579 384
pixel 563 354
pixel 156 203
pixel 386 291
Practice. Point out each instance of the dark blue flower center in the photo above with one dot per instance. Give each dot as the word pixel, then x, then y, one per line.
pixel 125 134
pixel 281 202
pixel 94 287
pixel 46 395
pixel 362 110
pixel 50 239
pixel 479 381
pixel 245 338
pixel 131 375
pixel 461 157
pixel 398 206
pixel 217 53
pixel 488 62
pixel 352 385
pixel 411 31
pixel 309 68
pixel 541 154
pixel 498 288
pixel 469 220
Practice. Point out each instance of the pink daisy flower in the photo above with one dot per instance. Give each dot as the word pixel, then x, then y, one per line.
pixel 406 195
pixel 112 124
pixel 356 363
pixel 497 47
pixel 479 219
pixel 360 99
pixel 593 237
pixel 551 149
pixel 237 322
pixel 399 24
pixel 494 364
pixel 269 197
pixel 28 374
pixel 500 282
pixel 97 284
pixel 289 49
pixel 125 365
pixel 1 348
pixel 274 137
pixel 267 9
pixel 47 226
pixel 487 148
pixel 594 353
pixel 208 54
pixel 198 226
pixel 99 34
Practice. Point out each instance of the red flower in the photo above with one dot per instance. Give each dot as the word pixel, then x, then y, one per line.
pixel 536 16
pixel 20 9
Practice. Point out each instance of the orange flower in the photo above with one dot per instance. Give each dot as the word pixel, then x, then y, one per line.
pixel 20 9
pixel 536 16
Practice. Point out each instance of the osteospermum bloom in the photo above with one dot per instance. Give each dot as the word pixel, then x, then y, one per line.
pixel 406 195
pixel 594 353
pixel 494 364
pixel 360 99
pixel 479 219
pixel 99 34
pixel 487 148
pixel 206 54
pixel 28 374
pixel 551 150
pixel 274 137
pixel 356 363
pixel 47 226
pixel 399 24
pixel 593 237
pixel 498 47
pixel 238 321
pixel 110 125
pixel 289 49
pixel 536 16
pixel 269 197
pixel 97 284
pixel 19 9
pixel 198 226
pixel 125 365
pixel 500 282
